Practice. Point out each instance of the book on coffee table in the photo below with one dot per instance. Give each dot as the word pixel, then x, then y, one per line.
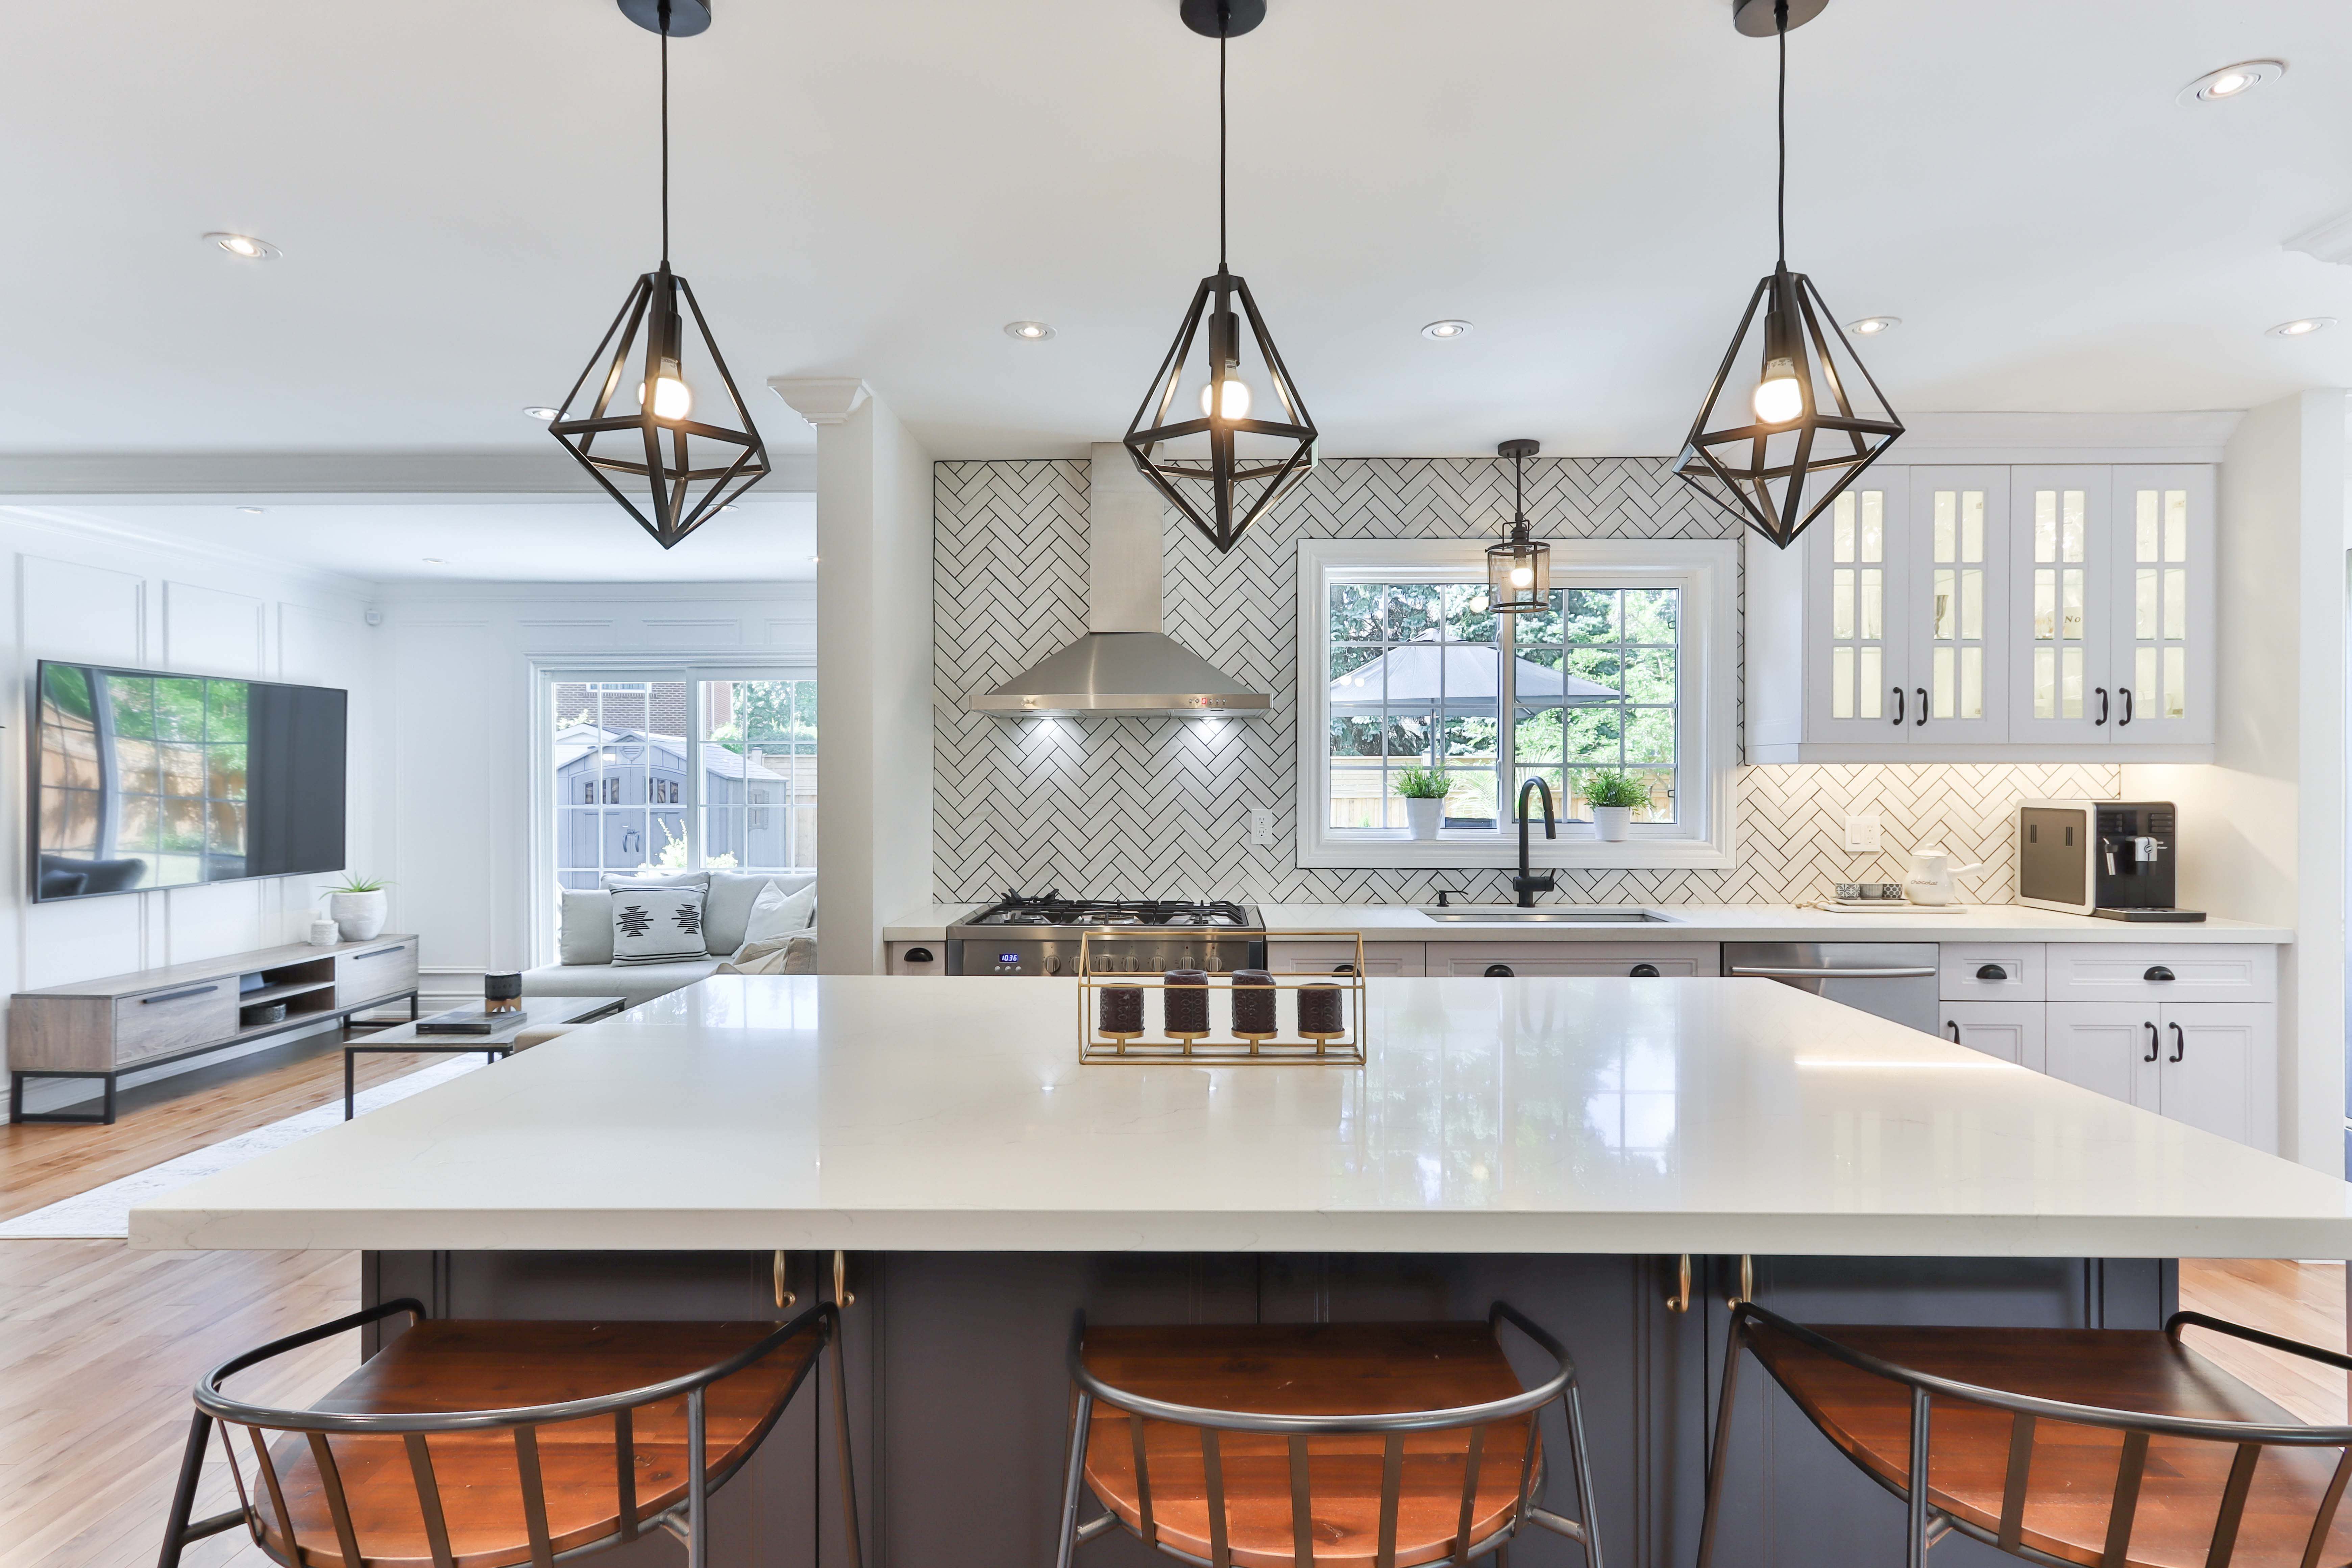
pixel 470 1021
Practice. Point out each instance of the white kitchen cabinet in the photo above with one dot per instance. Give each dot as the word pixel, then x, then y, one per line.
pixel 1990 613
pixel 2212 1065
pixel 1571 960
pixel 1387 958
pixel 2010 1030
pixel 2113 1049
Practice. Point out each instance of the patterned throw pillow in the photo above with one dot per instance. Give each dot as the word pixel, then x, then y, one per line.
pixel 657 925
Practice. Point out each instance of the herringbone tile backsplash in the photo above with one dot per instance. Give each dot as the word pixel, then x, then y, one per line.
pixel 1139 807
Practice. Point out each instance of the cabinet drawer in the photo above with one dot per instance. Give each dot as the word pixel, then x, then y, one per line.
pixel 1576 960
pixel 1389 958
pixel 378 970
pixel 175 1018
pixel 2150 973
pixel 1990 972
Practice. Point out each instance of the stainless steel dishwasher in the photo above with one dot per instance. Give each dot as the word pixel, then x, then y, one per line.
pixel 1895 980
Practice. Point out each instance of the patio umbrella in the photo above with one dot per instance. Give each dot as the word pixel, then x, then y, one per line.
pixel 1462 676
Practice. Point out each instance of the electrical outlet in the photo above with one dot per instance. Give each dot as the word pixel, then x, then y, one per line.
pixel 1862 833
pixel 1262 826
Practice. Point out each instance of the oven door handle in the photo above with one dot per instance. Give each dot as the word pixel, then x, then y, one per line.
pixel 1774 972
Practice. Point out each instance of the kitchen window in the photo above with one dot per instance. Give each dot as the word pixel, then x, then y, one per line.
pixel 1404 665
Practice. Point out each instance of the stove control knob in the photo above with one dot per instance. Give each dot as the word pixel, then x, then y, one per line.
pixel 1053 967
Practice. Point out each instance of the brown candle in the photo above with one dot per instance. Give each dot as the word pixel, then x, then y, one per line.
pixel 1186 1000
pixel 1320 1011
pixel 1122 1009
pixel 1253 1002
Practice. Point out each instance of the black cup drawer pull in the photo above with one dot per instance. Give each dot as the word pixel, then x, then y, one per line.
pixel 1498 971
pixel 1644 972
pixel 379 952
pixel 1991 972
pixel 919 955
pixel 179 996
pixel 2159 973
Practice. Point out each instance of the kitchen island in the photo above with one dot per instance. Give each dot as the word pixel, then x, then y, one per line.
pixel 1562 1144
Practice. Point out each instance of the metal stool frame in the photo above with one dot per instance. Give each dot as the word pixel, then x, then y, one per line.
pixel 1560 1385
pixel 1928 1525
pixel 683 1520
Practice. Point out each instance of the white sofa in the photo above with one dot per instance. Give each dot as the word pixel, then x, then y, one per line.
pixel 587 944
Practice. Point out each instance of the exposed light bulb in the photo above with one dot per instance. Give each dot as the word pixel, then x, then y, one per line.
pixel 1523 576
pixel 1779 398
pixel 673 399
pixel 1232 402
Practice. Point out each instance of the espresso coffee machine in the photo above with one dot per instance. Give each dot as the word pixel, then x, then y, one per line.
pixel 2113 858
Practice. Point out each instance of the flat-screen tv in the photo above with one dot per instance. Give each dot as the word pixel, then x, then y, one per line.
pixel 147 780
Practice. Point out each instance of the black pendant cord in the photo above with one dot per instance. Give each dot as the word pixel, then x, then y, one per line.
pixel 665 133
pixel 1223 20
pixel 1781 26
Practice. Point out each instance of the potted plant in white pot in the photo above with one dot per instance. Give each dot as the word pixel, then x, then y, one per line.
pixel 1425 791
pixel 358 907
pixel 1614 797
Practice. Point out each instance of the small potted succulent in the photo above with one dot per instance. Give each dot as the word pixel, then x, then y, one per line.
pixel 1614 796
pixel 1425 791
pixel 358 907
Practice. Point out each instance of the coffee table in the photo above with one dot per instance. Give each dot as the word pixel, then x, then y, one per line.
pixel 540 1013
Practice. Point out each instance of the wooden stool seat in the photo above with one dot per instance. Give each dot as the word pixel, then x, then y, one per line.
pixel 1323 1369
pixel 2071 1481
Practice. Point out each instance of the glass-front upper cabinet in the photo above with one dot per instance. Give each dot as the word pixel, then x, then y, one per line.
pixel 1959 593
pixel 1859 555
pixel 2061 690
pixel 2163 660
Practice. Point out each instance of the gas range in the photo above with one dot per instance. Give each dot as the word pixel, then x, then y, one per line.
pixel 1040 934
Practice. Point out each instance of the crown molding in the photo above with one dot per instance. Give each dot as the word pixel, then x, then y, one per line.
pixel 326 477
pixel 2002 437
pixel 821 399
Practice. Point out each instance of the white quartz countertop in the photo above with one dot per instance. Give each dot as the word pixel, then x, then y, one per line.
pixel 1703 922
pixel 932 1113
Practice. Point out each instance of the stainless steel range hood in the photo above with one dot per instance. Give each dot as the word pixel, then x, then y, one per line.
pixel 1124 667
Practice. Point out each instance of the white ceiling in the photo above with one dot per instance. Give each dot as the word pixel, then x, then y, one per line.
pixel 426 540
pixel 463 193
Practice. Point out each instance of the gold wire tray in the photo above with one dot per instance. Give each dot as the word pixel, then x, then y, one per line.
pixel 1220 1044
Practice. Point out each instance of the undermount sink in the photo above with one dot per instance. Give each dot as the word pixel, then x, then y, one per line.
pixel 1590 915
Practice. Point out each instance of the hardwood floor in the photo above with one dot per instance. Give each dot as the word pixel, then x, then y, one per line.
pixel 2295 1301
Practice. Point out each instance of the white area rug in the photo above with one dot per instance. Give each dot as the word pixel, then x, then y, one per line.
pixel 104 1213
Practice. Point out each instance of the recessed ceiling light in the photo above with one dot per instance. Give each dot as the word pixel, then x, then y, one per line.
pixel 535 412
pixel 2232 82
pixel 1870 326
pixel 250 510
pixel 245 246
pixel 1444 332
pixel 1028 332
pixel 2303 328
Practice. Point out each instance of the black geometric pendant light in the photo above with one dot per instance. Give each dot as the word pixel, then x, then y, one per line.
pixel 687 458
pixel 1777 450
pixel 1236 459
pixel 1518 569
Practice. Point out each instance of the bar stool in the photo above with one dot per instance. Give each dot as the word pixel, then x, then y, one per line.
pixel 501 1443
pixel 2130 1451
pixel 1275 1445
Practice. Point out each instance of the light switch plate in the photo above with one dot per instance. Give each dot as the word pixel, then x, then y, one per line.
pixel 1862 833
pixel 1262 826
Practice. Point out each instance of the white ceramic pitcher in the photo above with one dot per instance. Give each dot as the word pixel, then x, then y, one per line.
pixel 1930 881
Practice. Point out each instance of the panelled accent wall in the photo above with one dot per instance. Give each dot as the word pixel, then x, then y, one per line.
pixel 1133 806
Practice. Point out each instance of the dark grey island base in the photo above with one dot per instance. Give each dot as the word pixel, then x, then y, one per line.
pixel 960 1401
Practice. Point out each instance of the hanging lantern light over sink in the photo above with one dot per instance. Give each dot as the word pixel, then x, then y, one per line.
pixel 1251 442
pixel 684 455
pixel 1777 450
pixel 1518 569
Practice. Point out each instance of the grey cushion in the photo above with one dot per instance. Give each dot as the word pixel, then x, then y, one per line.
pixel 658 925
pixel 636 983
pixel 729 907
pixel 587 929
pixel 617 880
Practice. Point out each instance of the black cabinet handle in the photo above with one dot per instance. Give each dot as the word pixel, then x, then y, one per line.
pixel 1898 705
pixel 1498 971
pixel 1922 718
pixel 1991 972
pixel 176 996
pixel 1954 1025
pixel 919 955
pixel 1644 972
pixel 379 952
pixel 2159 973
pixel 2103 706
pixel 2179 1043
pixel 2155 1043
pixel 1343 968
pixel 2125 692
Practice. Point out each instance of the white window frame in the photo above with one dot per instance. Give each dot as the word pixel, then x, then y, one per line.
pixel 620 672
pixel 1707 574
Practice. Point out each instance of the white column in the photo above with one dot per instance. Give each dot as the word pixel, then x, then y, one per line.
pixel 874 501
